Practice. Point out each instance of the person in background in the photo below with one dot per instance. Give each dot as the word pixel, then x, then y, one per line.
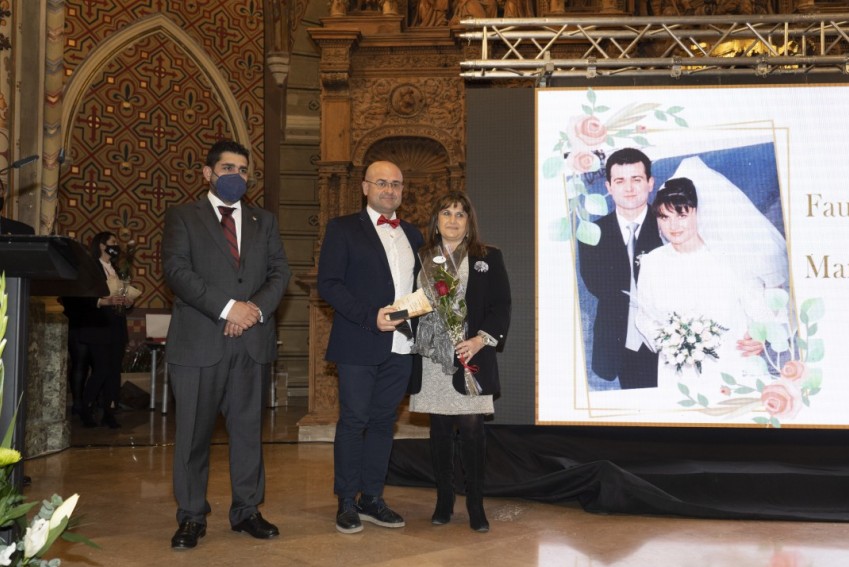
pixel 97 336
pixel 9 226
pixel 458 375
pixel 367 262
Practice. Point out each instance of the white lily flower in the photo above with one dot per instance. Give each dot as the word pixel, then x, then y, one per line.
pixel 63 511
pixel 6 554
pixel 36 537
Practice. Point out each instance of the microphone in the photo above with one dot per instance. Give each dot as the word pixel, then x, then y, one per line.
pixel 60 159
pixel 24 161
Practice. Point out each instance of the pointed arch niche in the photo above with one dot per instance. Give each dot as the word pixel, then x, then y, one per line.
pixel 139 113
pixel 90 70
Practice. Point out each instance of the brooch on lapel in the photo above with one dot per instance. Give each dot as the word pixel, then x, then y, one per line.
pixel 481 266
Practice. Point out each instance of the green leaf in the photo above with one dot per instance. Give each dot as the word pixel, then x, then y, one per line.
pixel 757 330
pixel 591 96
pixel 777 337
pixel 600 109
pixel 559 230
pixel 812 310
pixel 755 365
pixel 728 379
pixel 813 379
pixel 683 389
pixel 761 420
pixel 686 403
pixel 681 122
pixel 588 233
pixel 674 109
pixel 660 115
pixel 596 204
pixel 816 350
pixel 812 329
pixel 74 537
pixel 552 167
pixel 776 298
pixel 801 343
pixel 587 109
pixel 575 187
pixel 703 401
pixel 642 141
pixel 760 385
pixel 773 421
pixel 744 390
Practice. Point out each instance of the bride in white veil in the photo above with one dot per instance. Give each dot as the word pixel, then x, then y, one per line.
pixel 733 253
pixel 734 228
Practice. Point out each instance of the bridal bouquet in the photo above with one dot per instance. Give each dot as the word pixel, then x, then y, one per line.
pixel 687 341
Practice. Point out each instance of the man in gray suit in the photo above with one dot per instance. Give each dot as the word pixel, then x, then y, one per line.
pixel 226 265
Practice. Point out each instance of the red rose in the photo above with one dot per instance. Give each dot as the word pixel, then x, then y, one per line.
pixel 442 288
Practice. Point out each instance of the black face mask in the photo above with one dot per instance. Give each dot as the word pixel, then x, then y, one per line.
pixel 113 251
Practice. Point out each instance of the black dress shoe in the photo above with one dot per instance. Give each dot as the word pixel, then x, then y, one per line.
pixel 347 517
pixel 257 526
pixel 187 535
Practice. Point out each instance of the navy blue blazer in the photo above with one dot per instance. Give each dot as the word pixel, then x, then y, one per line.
pixel 489 305
pixel 354 278
pixel 605 271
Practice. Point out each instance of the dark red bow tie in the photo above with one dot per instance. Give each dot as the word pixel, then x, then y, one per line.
pixel 393 223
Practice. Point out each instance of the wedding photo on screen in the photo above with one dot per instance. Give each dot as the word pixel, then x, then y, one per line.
pixel 688 265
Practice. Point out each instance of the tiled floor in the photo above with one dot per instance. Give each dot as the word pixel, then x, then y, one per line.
pixel 124 479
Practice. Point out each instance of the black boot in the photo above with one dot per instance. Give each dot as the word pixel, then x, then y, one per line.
pixel 473 455
pixel 109 419
pixel 442 455
pixel 87 417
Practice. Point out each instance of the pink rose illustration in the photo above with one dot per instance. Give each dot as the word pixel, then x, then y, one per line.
pixel 587 131
pixel 583 162
pixel 782 399
pixel 725 391
pixel 785 559
pixel 794 370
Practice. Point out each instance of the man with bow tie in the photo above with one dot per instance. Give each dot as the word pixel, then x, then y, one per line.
pixel 367 261
pixel 225 263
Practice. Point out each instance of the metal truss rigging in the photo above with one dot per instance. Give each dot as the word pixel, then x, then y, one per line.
pixel 544 48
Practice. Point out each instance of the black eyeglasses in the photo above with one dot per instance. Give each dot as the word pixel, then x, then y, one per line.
pixel 384 184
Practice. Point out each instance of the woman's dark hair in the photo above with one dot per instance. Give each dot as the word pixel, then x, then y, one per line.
pixel 678 194
pixel 475 245
pixel 99 238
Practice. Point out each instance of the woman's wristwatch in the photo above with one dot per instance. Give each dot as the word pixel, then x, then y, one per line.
pixel 488 340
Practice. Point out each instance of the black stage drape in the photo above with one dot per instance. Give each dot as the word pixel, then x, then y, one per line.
pixel 703 473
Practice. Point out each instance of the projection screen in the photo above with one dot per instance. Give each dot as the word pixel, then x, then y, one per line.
pixel 758 265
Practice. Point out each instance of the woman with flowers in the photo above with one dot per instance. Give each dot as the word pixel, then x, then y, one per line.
pixel 694 308
pixel 456 373
pixel 97 336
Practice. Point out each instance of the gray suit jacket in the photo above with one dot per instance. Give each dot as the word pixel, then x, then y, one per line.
pixel 202 275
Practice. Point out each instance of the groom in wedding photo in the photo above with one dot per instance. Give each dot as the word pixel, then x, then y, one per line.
pixel 611 270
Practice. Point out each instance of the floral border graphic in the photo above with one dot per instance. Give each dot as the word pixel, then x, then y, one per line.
pixel 784 376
